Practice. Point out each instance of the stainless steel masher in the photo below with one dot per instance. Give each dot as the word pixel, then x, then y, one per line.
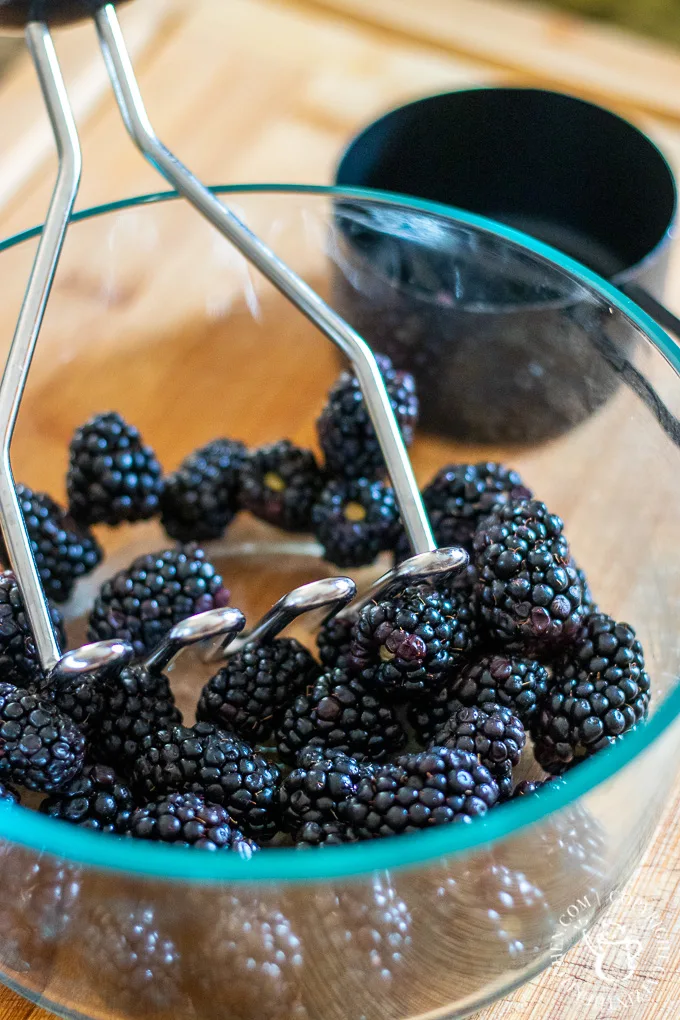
pixel 36 17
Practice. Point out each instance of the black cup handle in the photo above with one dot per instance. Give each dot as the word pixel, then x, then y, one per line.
pixel 649 304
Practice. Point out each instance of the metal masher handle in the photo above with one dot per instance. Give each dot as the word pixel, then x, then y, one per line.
pixel 328 321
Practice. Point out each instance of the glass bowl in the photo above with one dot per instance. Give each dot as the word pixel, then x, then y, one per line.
pixel 155 315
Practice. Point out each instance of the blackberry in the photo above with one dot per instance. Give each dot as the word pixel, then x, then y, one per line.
pixel 407 643
pixel 314 834
pixel 599 691
pixel 314 792
pixel 428 714
pixel 40 905
pixel 136 704
pixel 280 484
pixel 200 498
pixel 494 735
pixel 142 603
pixel 249 962
pixel 461 495
pixel 40 747
pixel 187 819
pixel 96 799
pixel 512 681
pixel 249 695
pixel 531 597
pixel 8 794
pixel 204 759
pixel 19 663
pixel 420 790
pixel 333 643
pixel 82 699
pixel 63 551
pixel 139 964
pixel 345 430
pixel 112 476
pixel 340 713
pixel 354 521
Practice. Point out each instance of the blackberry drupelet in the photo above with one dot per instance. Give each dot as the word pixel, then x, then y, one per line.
pixel 201 497
pixel 513 681
pixel 313 834
pixel 355 520
pixel 529 786
pixel 345 430
pixel 40 747
pixel 432 787
pixel 96 799
pixel 405 644
pixel 250 694
pixel 136 956
pixel 428 714
pixel 333 643
pixel 531 596
pixel 136 704
pixel 19 663
pixel 63 550
pixel 187 819
pixel 339 712
pixel 493 734
pixel 142 603
pixel 204 759
pixel 314 792
pixel 599 691
pixel 280 484
pixel 112 475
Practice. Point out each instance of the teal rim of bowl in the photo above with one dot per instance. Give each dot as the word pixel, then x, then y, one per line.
pixel 115 853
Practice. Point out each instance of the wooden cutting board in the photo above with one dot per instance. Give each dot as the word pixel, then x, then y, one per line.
pixel 257 90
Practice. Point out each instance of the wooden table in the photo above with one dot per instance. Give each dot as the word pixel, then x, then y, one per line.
pixel 262 90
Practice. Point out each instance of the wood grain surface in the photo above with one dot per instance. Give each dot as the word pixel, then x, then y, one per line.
pixel 256 90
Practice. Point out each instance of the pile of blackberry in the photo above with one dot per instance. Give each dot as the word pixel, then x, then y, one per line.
pixel 421 707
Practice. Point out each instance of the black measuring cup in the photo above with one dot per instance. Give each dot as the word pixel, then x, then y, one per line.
pixel 496 357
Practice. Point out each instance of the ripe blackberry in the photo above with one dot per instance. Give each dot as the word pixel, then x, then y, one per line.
pixel 314 792
pixel 200 498
pixel 249 695
pixel 428 714
pixel 432 787
pixel 204 759
pixel 460 495
pixel 142 603
pixel 40 748
pixel 339 712
pixel 248 961
pixel 112 475
pixel 333 643
pixel 138 963
pixel 187 819
pixel 314 834
pixel 280 484
pixel 531 597
pixel 599 691
pixel 82 699
pixel 345 430
pixel 407 643
pixel 96 799
pixel 513 681
pixel 19 663
pixel 136 704
pixel 40 903
pixel 355 520
pixel 63 551
pixel 494 735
